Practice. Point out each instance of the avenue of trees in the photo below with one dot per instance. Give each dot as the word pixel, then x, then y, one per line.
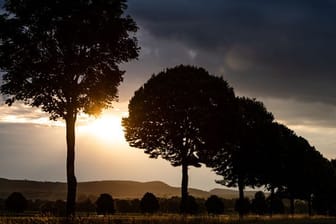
pixel 189 117
pixel 63 56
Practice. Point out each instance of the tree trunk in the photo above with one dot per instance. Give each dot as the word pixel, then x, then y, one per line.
pixel 184 189
pixel 292 209
pixel 70 165
pixel 271 201
pixel 241 209
pixel 310 213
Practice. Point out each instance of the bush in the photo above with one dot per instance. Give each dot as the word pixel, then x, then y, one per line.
pixel 259 203
pixel 214 205
pixel 105 204
pixel 16 202
pixel 149 203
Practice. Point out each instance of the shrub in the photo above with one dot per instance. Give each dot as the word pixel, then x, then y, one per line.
pixel 259 203
pixel 214 205
pixel 105 204
pixel 16 202
pixel 149 203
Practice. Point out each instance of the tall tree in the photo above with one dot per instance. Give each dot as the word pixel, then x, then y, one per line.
pixel 172 114
pixel 238 162
pixel 63 57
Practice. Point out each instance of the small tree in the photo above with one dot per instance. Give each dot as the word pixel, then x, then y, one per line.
pixel 105 204
pixel 174 115
pixel 63 57
pixel 259 203
pixel 214 205
pixel 149 203
pixel 16 202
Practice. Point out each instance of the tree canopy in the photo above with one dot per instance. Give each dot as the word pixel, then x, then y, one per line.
pixel 238 162
pixel 16 202
pixel 63 56
pixel 171 116
pixel 149 203
pixel 105 204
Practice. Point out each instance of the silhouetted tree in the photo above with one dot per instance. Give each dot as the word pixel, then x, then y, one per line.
pixel 239 161
pixel 63 56
pixel 174 114
pixel 149 203
pixel 303 163
pixel 105 204
pixel 324 199
pixel 16 202
pixel 214 205
pixel 259 203
pixel 274 158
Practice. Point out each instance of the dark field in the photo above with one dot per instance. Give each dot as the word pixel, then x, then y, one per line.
pixel 167 219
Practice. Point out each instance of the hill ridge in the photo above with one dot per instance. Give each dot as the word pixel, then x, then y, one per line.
pixel 48 190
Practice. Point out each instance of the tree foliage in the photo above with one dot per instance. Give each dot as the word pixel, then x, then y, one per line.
pixel 105 204
pixel 149 203
pixel 16 202
pixel 214 205
pixel 238 163
pixel 63 56
pixel 258 204
pixel 172 115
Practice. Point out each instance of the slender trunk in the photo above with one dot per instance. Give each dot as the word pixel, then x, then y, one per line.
pixel 292 208
pixel 271 201
pixel 184 189
pixel 70 165
pixel 241 207
pixel 310 213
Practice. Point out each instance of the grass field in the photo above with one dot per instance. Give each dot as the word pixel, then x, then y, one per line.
pixel 168 219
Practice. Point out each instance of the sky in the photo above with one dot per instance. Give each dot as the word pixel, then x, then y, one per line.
pixel 279 52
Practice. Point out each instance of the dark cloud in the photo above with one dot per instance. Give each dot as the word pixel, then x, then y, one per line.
pixel 273 48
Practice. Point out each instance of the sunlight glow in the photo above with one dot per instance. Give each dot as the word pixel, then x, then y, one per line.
pixel 106 128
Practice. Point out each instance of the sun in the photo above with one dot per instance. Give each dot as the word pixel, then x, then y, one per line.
pixel 106 128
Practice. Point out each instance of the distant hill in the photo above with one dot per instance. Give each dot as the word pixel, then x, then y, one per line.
pixel 118 189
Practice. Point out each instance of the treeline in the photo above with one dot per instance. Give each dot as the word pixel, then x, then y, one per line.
pixel 191 118
pixel 261 205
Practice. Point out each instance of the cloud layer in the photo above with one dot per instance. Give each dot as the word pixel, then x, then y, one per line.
pixel 274 48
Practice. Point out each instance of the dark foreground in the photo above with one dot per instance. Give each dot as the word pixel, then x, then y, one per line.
pixel 168 219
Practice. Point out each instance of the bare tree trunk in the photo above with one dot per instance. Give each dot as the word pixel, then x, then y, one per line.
pixel 292 208
pixel 310 213
pixel 70 165
pixel 184 189
pixel 271 201
pixel 241 209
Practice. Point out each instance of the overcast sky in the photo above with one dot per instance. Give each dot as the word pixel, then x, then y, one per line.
pixel 280 52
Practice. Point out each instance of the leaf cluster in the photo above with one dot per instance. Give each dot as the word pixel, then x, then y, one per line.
pixel 62 55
